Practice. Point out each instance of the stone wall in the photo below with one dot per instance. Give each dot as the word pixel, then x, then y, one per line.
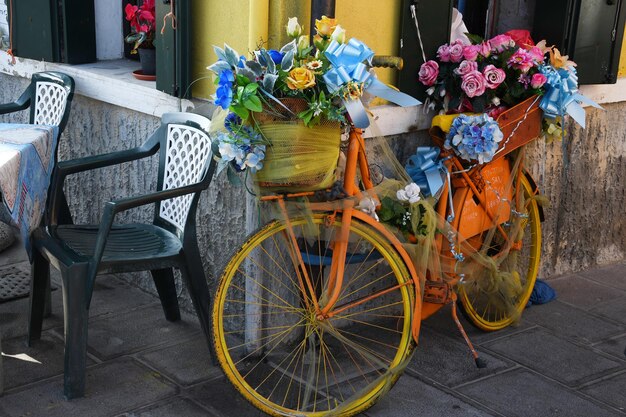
pixel 585 225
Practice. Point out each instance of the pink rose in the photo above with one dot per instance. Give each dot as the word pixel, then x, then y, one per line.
pixel 428 73
pixel 484 49
pixel 443 53
pixel 493 76
pixel 456 51
pixel 536 53
pixel 521 60
pixel 473 84
pixel 470 52
pixel 538 80
pixel 466 67
pixel 501 42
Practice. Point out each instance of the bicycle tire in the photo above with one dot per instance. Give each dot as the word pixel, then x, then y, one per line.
pixel 272 364
pixel 481 309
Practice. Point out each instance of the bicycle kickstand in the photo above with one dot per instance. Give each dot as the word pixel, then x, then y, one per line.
pixel 480 362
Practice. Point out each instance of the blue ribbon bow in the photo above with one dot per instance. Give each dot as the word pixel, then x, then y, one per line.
pixel 347 65
pixel 426 169
pixel 562 95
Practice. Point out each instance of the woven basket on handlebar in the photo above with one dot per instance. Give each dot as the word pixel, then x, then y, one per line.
pixel 298 158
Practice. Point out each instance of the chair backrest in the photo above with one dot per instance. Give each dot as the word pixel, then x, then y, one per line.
pixel 185 157
pixel 51 96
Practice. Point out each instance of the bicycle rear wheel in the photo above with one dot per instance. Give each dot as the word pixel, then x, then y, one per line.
pixel 496 310
pixel 284 359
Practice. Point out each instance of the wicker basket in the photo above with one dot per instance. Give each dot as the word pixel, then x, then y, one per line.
pixel 298 158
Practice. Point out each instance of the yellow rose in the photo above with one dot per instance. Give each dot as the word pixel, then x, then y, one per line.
pixel 300 79
pixel 326 26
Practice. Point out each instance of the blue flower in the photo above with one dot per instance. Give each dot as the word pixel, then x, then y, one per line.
pixel 276 56
pixel 232 122
pixel 224 92
pixel 474 137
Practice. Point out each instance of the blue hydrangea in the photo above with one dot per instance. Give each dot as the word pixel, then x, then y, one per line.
pixel 474 137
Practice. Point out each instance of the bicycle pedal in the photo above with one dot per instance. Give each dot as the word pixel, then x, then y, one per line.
pixel 436 292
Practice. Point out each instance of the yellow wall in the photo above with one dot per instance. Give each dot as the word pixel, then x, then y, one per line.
pixel 622 59
pixel 242 24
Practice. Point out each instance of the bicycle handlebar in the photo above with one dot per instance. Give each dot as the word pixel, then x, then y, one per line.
pixel 387 61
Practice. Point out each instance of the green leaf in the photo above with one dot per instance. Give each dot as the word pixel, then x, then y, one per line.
pixel 251 88
pixel 253 103
pixel 475 39
pixel 241 80
pixel 240 111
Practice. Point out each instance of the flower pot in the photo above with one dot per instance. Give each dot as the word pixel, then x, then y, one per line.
pixel 147 57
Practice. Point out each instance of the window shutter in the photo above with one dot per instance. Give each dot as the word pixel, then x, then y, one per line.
pixel 589 31
pixel 435 19
pixel 173 56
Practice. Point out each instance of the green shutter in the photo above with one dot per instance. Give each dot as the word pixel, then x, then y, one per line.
pixel 435 19
pixel 173 57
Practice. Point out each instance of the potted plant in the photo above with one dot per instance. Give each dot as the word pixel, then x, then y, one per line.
pixel 142 23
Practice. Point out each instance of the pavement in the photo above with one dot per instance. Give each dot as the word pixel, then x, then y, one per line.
pixel 566 358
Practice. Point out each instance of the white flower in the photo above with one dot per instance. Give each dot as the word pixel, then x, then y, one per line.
pixel 230 151
pixel 303 42
pixel 339 34
pixel 368 206
pixel 495 101
pixel 430 91
pixel 410 193
pixel 293 27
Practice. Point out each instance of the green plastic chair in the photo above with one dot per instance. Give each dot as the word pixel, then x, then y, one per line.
pixel 81 252
pixel 49 97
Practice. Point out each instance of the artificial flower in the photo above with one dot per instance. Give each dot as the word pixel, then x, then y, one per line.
pixel 293 27
pixel 325 26
pixel 474 137
pixel 560 61
pixel 303 43
pixel 276 56
pixel 428 73
pixel 338 35
pixel 521 60
pixel 300 78
pixel 522 38
pixel 538 80
pixel 410 193
pixel 473 84
pixel 368 206
pixel 466 67
pixel 484 49
pixel 443 53
pixel 493 76
pixel 224 91
pixel 470 52
pixel 456 51
pixel 314 65
pixel 501 42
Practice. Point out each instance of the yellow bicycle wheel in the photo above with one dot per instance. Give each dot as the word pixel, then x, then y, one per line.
pixel 283 358
pixel 495 310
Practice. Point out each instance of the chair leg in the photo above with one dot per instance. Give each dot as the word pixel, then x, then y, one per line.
pixel 39 285
pixel 75 321
pixel 195 280
pixel 166 287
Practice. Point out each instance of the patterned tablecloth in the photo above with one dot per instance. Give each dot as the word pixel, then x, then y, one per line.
pixel 26 163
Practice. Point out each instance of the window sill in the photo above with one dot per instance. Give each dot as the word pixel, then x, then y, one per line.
pixel 107 81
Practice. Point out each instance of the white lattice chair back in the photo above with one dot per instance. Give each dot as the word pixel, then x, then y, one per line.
pixel 50 102
pixel 186 157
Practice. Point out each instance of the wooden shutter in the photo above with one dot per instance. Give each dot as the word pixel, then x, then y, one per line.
pixel 173 54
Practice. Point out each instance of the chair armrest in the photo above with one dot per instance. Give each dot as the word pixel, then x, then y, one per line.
pixel 88 163
pixel 128 203
pixel 21 103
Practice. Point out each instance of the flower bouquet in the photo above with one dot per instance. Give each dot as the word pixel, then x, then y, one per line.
pixel 284 108
pixel 509 78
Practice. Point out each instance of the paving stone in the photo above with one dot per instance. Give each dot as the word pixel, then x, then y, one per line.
pixel 412 397
pixel 615 346
pixel 113 295
pixel 612 275
pixel 136 330
pixel 221 397
pixel 573 323
pixel 614 309
pixel 174 407
pixel 14 316
pixel 554 357
pixel 449 362
pixel 112 388
pixel 25 364
pixel 521 393
pixel 611 391
pixel 187 363
pixel 443 323
pixel 582 292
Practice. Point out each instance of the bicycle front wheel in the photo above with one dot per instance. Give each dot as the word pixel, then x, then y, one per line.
pixel 492 311
pixel 274 348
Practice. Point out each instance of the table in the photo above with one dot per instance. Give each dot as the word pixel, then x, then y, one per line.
pixel 27 154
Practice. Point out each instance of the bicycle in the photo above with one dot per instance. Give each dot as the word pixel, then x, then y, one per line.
pixel 319 312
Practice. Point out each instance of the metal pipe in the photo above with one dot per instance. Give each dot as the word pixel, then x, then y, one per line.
pixel 320 8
